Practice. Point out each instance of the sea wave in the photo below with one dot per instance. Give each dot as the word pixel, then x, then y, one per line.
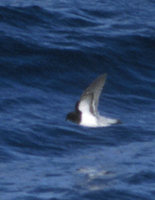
pixel 50 52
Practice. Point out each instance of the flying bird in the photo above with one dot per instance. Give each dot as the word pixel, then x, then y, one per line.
pixel 86 109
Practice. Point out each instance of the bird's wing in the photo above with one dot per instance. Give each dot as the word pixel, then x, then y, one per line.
pixel 85 104
pixel 90 97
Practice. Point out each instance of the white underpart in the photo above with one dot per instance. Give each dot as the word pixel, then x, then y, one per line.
pixel 87 118
pixel 104 121
pixel 91 120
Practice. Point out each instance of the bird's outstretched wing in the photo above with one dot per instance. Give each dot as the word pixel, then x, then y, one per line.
pixel 90 97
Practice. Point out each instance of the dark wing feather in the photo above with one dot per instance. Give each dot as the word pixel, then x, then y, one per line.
pixel 92 93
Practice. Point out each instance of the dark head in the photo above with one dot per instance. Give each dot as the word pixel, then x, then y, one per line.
pixel 74 117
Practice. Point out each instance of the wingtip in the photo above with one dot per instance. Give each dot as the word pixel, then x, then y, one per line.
pixel 119 121
pixel 105 75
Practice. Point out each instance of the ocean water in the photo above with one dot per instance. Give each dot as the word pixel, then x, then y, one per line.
pixel 50 51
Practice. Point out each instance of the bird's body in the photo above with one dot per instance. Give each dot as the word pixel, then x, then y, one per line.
pixel 86 111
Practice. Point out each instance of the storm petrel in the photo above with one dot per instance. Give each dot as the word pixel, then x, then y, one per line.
pixel 86 109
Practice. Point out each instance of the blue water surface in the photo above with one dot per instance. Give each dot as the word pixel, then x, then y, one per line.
pixel 50 51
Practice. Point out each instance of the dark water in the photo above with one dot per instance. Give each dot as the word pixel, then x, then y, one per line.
pixel 49 53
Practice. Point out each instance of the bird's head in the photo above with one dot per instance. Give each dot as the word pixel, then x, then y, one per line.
pixel 74 117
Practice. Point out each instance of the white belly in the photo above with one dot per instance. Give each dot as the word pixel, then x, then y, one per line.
pixel 88 119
